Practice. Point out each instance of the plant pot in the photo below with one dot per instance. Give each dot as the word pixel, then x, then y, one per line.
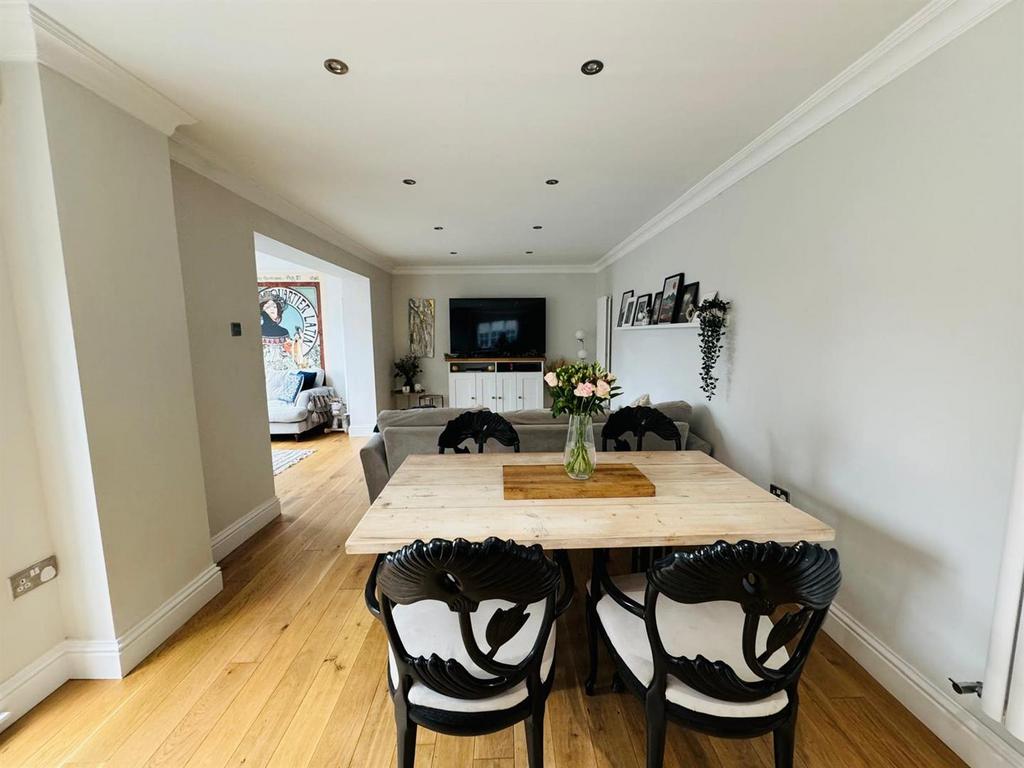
pixel 406 389
pixel 580 455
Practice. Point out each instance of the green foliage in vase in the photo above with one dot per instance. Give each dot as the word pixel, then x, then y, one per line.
pixel 407 368
pixel 581 389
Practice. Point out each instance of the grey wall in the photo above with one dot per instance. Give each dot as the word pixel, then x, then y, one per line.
pixel 215 237
pixel 874 363
pixel 570 306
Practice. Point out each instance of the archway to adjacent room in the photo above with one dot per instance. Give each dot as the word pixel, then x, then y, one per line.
pixel 315 315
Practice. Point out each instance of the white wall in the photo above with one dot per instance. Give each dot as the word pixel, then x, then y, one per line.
pixel 570 306
pixel 874 363
pixel 215 238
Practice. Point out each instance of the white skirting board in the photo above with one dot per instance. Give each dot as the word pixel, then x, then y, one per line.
pixel 105 659
pixel 964 733
pixel 243 528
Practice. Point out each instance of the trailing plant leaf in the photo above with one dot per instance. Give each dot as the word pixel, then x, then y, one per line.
pixel 711 315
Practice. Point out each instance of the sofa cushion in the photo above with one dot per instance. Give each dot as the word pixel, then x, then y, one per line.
pixel 283 386
pixel 419 417
pixel 285 413
pixel 677 410
pixel 543 417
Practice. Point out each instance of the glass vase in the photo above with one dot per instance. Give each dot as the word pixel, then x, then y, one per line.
pixel 580 452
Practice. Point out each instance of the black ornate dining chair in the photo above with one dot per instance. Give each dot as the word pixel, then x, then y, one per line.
pixel 471 636
pixel 693 638
pixel 638 420
pixel 478 426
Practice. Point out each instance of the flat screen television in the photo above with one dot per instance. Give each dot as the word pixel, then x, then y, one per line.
pixel 497 327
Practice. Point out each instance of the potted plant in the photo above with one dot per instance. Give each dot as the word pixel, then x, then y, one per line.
pixel 711 315
pixel 408 368
pixel 580 390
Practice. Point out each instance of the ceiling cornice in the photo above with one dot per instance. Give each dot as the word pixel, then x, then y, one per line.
pixel 203 161
pixel 17 42
pixel 496 269
pixel 935 25
pixel 62 50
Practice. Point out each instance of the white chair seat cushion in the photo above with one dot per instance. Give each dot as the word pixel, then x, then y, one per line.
pixel 713 630
pixel 430 627
pixel 285 413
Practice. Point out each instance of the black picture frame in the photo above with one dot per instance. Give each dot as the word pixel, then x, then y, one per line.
pixel 688 302
pixel 671 291
pixel 642 312
pixel 656 307
pixel 622 307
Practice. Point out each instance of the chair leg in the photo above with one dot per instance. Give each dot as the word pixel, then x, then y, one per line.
pixel 655 710
pixel 617 685
pixel 784 741
pixel 534 725
pixel 592 640
pixel 406 739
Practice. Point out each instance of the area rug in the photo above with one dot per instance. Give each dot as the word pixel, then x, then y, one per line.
pixel 285 459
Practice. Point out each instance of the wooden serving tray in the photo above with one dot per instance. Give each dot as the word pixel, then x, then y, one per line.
pixel 549 481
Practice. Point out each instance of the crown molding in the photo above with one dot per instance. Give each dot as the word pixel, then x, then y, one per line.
pixel 931 28
pixel 204 161
pixel 62 50
pixel 495 269
pixel 17 42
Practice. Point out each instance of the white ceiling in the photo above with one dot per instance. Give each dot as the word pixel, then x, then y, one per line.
pixel 480 102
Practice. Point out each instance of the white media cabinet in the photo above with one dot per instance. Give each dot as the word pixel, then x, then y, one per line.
pixel 503 384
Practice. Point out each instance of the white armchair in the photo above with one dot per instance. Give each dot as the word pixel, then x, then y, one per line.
pixel 310 409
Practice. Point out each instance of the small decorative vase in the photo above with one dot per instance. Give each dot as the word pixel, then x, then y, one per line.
pixel 580 452
pixel 405 389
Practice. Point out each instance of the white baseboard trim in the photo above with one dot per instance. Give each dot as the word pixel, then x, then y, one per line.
pixel 243 528
pixel 966 734
pixel 105 659
pixel 356 430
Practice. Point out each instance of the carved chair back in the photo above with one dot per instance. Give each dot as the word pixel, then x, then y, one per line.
pixel 638 420
pixel 761 578
pixel 461 575
pixel 478 426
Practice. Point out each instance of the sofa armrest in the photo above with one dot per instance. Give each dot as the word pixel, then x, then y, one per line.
pixel 302 399
pixel 375 465
pixel 697 443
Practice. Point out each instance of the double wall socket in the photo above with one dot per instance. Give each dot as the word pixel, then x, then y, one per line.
pixel 27 579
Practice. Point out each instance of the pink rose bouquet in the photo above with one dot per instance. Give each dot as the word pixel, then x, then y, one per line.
pixel 580 389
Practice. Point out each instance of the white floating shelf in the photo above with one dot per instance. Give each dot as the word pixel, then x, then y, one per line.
pixel 664 327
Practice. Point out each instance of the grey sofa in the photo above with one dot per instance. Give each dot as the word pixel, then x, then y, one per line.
pixel 402 433
pixel 311 408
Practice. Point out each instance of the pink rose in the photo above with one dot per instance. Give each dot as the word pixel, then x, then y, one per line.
pixel 551 378
pixel 603 389
pixel 584 389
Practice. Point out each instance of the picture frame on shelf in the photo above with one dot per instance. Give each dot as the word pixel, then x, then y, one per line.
pixel 671 292
pixel 656 307
pixel 642 312
pixel 630 306
pixel 688 302
pixel 623 310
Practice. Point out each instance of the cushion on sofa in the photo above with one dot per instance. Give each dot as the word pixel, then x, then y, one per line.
pixel 285 413
pixel 543 416
pixel 419 417
pixel 283 386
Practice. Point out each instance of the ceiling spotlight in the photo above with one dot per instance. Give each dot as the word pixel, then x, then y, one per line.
pixel 537 226
pixel 592 67
pixel 335 66
pixel 453 253
pixel 410 182
pixel 439 228
pixel 529 253
pixel 551 181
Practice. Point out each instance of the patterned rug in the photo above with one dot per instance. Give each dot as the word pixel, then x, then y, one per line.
pixel 285 459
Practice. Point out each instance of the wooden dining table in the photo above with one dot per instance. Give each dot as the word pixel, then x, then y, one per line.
pixel 697 500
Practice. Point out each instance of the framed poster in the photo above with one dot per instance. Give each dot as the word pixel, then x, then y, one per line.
pixel 689 302
pixel 643 310
pixel 290 325
pixel 624 314
pixel 421 327
pixel 656 308
pixel 670 293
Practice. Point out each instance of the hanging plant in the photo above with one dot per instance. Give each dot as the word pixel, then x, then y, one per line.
pixel 711 315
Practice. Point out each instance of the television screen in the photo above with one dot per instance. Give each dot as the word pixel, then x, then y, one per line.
pixel 497 327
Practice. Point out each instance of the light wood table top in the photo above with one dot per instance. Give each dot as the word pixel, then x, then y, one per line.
pixel 698 501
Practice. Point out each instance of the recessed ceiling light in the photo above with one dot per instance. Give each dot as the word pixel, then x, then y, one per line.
pixel 529 253
pixel 335 66
pixel 438 228
pixel 453 253
pixel 410 182
pixel 592 67
pixel 551 181
pixel 537 226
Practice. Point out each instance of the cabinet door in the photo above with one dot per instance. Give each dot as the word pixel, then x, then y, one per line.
pixel 530 390
pixel 508 393
pixel 462 389
pixel 487 391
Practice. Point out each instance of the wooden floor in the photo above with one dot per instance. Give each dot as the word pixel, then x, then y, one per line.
pixel 286 668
